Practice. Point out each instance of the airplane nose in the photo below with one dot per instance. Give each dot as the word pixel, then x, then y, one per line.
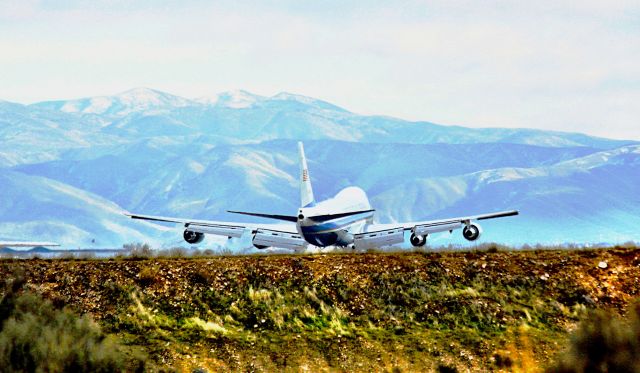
pixel 300 217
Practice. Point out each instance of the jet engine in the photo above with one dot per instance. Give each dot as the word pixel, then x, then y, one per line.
pixel 192 237
pixel 472 232
pixel 417 240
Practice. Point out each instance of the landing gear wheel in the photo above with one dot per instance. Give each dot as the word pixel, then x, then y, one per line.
pixel 418 241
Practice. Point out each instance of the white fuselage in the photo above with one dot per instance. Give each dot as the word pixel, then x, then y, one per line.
pixel 335 231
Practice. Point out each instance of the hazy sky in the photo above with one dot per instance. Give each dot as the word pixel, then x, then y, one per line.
pixel 564 65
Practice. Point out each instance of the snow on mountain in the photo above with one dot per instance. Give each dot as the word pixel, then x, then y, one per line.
pixel 30 134
pixel 621 156
pixel 241 99
pixel 131 101
pixel 243 116
pixel 305 100
pixel 238 99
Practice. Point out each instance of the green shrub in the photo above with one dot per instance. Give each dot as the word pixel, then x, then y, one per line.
pixel 604 343
pixel 148 275
pixel 35 336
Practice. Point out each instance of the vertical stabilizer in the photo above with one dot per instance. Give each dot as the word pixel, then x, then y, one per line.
pixel 306 193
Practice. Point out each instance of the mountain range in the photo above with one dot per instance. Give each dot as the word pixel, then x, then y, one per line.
pixel 68 169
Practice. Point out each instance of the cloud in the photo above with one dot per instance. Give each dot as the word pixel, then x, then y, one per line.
pixel 557 65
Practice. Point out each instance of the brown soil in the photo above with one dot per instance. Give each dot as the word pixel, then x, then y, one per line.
pixel 523 331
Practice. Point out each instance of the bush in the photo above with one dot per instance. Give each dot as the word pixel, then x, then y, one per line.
pixel 174 252
pixel 604 343
pixel 36 336
pixel 138 250
pixel 148 275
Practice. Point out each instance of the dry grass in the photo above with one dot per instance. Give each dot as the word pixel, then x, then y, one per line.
pixel 603 343
pixel 36 336
pixel 474 310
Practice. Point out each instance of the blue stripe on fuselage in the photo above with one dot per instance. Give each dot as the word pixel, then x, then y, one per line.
pixel 333 225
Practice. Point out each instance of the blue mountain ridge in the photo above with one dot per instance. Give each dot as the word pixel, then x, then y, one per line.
pixel 70 167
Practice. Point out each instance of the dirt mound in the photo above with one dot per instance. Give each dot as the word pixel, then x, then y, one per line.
pixel 414 311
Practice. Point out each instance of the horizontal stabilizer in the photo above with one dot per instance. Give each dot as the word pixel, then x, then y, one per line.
pixel 268 216
pixel 337 216
pixel 154 218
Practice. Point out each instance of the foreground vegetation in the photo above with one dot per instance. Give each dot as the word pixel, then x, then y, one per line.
pixel 478 310
pixel 36 336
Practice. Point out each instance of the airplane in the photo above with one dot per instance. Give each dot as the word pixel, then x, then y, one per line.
pixel 345 220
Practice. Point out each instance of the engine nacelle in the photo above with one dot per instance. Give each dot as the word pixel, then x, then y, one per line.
pixel 472 232
pixel 417 240
pixel 192 237
pixel 264 238
pixel 344 238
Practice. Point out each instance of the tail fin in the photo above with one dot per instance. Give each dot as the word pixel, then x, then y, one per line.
pixel 306 193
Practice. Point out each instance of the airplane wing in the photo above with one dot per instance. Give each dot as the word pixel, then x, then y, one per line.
pixel 282 235
pixel 442 225
pixel 387 234
pixel 26 244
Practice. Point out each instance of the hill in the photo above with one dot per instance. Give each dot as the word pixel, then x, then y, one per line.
pixel 71 167
pixel 401 311
pixel 33 250
pixel 34 206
